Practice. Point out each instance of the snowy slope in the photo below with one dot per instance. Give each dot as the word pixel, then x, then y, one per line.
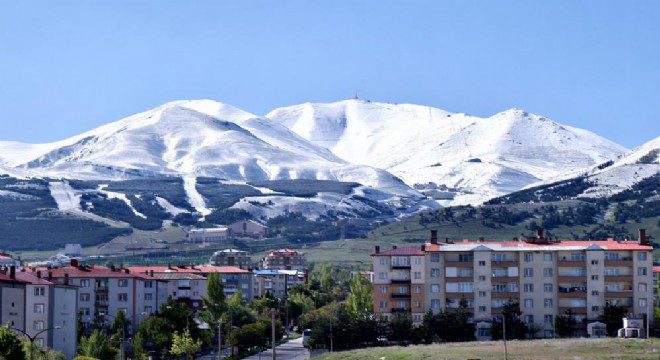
pixel 470 158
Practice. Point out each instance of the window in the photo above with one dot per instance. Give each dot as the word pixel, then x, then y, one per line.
pixel 84 297
pixel 594 292
pixel 529 319
pixel 383 289
pixel 148 309
pixel 150 284
pixel 482 263
pixel 435 257
pixel 418 289
pixel 418 303
pixel 84 311
pixel 482 278
pixel 547 256
pixel 383 304
pixel 122 297
pixel 418 275
pixel 547 272
pixel 547 288
pixel 38 325
pixel 122 282
pixel 482 309
pixel 482 294
pixel 435 273
pixel 594 277
pixel 84 283
pixel 641 256
pixel 383 261
pixel 529 288
pixel 435 303
pixel 499 288
pixel 595 308
pixel 642 303
pixel 417 318
pixel 465 257
pixel 529 272
pixel 39 308
pixel 382 275
pixel 435 288
pixel 641 287
pixel 484 332
pixel 418 260
pixel 148 296
pixel 529 303
pixel 594 262
pixel 547 319
pixel 39 291
pixel 402 290
pixel 641 271
pixel 465 287
pixel 529 257
pixel 547 303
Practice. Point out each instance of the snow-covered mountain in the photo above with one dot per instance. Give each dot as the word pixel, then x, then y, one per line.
pixel 470 159
pixel 192 139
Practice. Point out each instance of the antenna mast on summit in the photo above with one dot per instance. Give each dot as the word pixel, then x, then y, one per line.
pixel 355 97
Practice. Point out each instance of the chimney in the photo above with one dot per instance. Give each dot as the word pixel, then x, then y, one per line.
pixel 481 239
pixel 112 267
pixel 12 272
pixel 393 247
pixel 50 276
pixel 377 249
pixel 66 279
pixel 39 274
pixel 151 273
pixel 423 248
pixel 74 262
pixel 127 271
pixel 539 233
pixel 643 240
pixel 447 240
pixel 434 237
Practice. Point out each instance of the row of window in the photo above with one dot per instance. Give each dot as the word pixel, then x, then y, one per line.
pixel 528 257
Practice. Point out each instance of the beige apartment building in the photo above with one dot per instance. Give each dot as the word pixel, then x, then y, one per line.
pixel 545 277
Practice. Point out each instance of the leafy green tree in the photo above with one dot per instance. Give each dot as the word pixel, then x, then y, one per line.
pixel 39 353
pixel 250 335
pixel 215 301
pixel 97 345
pixel 184 344
pixel 360 300
pixel 10 344
pixel 120 327
pixel 612 317
pixel 139 351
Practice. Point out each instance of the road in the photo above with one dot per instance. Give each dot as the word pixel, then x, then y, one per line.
pixel 290 350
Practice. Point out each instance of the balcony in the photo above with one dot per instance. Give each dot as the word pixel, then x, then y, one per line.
pixel 504 263
pixel 231 281
pixel 401 266
pixel 505 295
pixel 399 309
pixel 579 310
pixel 459 278
pixel 570 262
pixel 622 261
pixel 401 281
pixel 571 278
pixel 619 277
pixel 101 289
pixel 400 295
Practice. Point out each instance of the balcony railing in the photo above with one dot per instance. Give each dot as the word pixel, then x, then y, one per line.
pixel 400 295
pixel 401 281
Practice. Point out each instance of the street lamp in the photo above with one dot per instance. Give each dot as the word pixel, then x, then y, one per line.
pixel 121 341
pixel 33 337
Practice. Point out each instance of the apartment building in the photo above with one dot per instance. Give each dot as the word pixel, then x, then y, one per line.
pixel 284 259
pixel 277 282
pixel 233 278
pixel 215 235
pixel 103 290
pixel 231 257
pixel 49 305
pixel 12 299
pixel 545 277
pixel 185 288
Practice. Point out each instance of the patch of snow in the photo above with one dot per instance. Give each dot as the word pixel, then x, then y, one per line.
pixel 65 196
pixel 194 197
pixel 17 196
pixel 169 207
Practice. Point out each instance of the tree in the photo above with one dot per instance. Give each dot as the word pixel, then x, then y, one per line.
pixel 515 329
pixel 184 344
pixel 360 300
pixel 612 317
pixel 215 300
pixel 139 351
pixel 97 345
pixel 565 324
pixel 10 344
pixel 120 326
pixel 401 326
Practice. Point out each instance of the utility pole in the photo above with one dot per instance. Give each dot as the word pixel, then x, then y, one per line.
pixel 272 322
pixel 506 353
pixel 220 338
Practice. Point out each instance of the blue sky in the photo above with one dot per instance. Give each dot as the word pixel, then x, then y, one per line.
pixel 69 66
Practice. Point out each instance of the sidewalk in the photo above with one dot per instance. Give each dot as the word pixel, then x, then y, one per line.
pixel 290 350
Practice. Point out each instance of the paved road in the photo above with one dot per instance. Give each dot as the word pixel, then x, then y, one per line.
pixel 290 350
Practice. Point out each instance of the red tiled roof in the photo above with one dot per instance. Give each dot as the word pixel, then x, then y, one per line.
pixel 32 278
pixel 6 278
pixel 609 244
pixel 656 269
pixel 188 269
pixel 284 252
pixel 409 251
pixel 95 271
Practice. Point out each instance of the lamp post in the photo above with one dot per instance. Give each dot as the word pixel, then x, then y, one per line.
pixel 121 341
pixel 220 338
pixel 33 337
pixel 272 325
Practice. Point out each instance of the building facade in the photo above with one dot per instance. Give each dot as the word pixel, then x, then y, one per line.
pixel 277 282
pixel 546 278
pixel 215 235
pixel 248 228
pixel 284 259
pixel 231 257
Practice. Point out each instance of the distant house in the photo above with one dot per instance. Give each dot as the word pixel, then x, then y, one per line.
pixel 73 250
pixel 249 228
pixel 231 257
pixel 217 235
pixel 284 259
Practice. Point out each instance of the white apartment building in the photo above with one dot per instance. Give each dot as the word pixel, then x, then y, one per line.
pixel 545 277
pixel 277 282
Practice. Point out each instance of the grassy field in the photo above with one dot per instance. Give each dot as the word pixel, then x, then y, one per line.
pixel 575 349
